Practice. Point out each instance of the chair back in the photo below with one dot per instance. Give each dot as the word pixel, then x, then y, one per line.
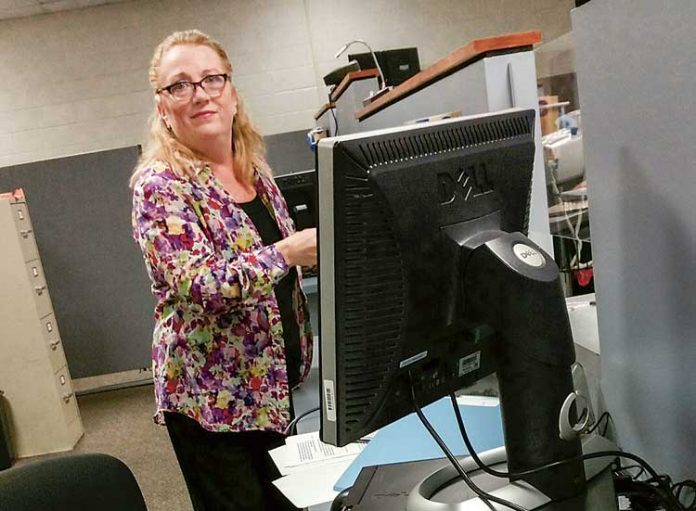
pixel 73 482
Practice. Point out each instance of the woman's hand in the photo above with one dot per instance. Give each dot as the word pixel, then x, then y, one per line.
pixel 300 248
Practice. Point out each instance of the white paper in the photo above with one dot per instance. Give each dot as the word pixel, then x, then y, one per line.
pixel 306 451
pixel 280 457
pixel 315 485
pixel 307 448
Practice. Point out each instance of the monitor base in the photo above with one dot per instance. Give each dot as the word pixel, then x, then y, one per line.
pixel 431 493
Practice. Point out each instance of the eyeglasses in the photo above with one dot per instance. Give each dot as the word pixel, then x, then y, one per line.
pixel 183 90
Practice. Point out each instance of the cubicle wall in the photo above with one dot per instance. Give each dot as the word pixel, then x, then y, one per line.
pixel 81 210
pixel 635 66
pixel 289 152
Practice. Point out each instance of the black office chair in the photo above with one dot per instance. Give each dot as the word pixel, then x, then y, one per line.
pixel 73 482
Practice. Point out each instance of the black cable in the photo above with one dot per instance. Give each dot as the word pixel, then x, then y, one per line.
pixel 338 502
pixel 672 501
pixel 479 461
pixel 333 113
pixel 290 430
pixel 635 477
pixel 649 494
pixel 605 415
pixel 484 496
pixel 679 487
pixel 472 451
pixel 642 496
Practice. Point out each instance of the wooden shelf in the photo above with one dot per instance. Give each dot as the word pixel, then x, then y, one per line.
pixel 459 58
pixel 351 77
pixel 323 109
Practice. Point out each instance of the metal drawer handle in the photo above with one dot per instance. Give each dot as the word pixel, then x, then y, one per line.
pixel 40 290
pixel 67 397
pixel 54 344
pixel 25 233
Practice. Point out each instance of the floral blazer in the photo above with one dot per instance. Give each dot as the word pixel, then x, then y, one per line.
pixel 217 352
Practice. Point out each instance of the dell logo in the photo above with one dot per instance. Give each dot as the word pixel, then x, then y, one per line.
pixel 529 255
pixel 470 183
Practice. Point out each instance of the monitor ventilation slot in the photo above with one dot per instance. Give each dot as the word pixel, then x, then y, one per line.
pixel 374 285
pixel 424 143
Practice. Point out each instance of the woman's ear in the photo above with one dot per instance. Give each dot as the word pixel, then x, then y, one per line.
pixel 163 116
pixel 164 120
pixel 235 98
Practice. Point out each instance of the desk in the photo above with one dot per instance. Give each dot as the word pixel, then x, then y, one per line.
pixel 583 318
pixel 395 483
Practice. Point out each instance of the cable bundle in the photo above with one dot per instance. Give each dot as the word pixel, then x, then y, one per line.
pixel 650 493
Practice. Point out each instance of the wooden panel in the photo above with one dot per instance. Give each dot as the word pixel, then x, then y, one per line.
pixel 351 77
pixel 323 109
pixel 456 60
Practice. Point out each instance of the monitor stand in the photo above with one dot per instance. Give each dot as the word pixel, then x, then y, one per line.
pixel 430 493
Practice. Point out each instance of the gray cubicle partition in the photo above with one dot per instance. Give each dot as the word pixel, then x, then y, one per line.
pixel 636 69
pixel 289 152
pixel 80 208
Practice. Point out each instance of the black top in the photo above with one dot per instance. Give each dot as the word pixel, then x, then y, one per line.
pixel 269 232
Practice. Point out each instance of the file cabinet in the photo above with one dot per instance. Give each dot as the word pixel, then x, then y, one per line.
pixel 34 375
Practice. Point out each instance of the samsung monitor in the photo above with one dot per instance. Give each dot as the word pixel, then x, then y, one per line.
pixel 427 280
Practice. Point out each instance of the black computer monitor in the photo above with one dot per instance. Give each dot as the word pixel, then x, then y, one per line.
pixel 427 278
pixel 398 65
pixel 299 191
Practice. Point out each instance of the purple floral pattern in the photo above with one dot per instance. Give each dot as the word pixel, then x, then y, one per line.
pixel 217 351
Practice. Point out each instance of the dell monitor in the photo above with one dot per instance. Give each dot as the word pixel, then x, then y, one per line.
pixel 427 279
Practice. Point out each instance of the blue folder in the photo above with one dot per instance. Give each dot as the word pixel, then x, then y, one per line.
pixel 408 440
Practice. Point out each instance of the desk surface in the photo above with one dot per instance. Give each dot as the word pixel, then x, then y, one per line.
pixel 390 485
pixel 583 317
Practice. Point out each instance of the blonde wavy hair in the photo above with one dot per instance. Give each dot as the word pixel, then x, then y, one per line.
pixel 161 144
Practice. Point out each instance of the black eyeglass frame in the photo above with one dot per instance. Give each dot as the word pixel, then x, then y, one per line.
pixel 199 83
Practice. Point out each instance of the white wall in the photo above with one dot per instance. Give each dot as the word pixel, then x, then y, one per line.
pixel 76 81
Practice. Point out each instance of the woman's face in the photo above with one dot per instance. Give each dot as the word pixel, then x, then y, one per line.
pixel 203 120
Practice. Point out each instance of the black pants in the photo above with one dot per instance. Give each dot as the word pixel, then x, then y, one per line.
pixel 227 471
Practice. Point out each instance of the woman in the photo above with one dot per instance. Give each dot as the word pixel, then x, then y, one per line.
pixel 232 334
